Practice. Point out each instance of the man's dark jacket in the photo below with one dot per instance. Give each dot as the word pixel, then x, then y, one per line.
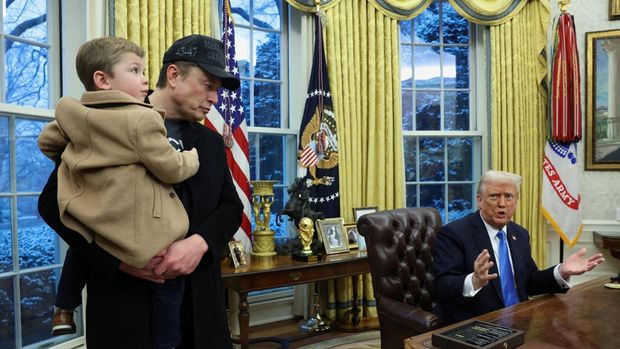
pixel 118 305
pixel 457 246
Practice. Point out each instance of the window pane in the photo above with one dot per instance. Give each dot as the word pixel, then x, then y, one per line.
pixel 242 51
pixel 412 195
pixel 32 167
pixel 428 111
pixel 405 32
pixel 407 100
pixel 427 67
pixel 272 151
pixel 5 163
pixel 240 9
pixel 267 46
pixel 410 159
pixel 278 205
pixel 406 66
pixel 432 159
pixel 245 100
pixel 456 110
pixel 267 14
pixel 38 243
pixel 26 74
pixel 460 200
pixel 7 314
pixel 26 19
pixel 456 67
pixel 426 25
pixel 38 293
pixel 455 27
pixel 6 241
pixel 460 157
pixel 432 195
pixel 267 104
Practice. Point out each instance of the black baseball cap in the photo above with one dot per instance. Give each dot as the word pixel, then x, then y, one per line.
pixel 206 52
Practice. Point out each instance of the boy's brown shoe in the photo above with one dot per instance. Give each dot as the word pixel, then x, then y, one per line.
pixel 63 323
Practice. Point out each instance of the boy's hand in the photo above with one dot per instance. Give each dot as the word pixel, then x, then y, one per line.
pixel 193 151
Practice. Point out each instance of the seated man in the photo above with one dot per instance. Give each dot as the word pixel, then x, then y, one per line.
pixel 483 261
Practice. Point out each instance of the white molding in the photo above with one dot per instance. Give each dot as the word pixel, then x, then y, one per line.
pixel 263 308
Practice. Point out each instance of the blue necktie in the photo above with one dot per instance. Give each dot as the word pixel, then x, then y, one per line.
pixel 505 273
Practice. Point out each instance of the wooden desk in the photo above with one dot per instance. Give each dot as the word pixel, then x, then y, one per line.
pixel 610 242
pixel 585 317
pixel 283 271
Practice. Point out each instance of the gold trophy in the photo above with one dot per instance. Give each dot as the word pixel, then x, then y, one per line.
pixel 305 232
pixel 263 244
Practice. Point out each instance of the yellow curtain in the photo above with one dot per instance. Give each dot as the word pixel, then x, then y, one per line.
pixel 155 24
pixel 362 61
pixel 519 110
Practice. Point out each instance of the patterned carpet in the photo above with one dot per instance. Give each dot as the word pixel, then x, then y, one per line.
pixel 366 340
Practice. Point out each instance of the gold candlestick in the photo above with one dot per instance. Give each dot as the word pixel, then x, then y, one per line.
pixel 264 244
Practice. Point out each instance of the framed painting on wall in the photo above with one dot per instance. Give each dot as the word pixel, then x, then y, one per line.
pixel 602 100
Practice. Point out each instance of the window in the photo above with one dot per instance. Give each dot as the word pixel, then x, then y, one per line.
pixel 442 145
pixel 30 252
pixel 261 55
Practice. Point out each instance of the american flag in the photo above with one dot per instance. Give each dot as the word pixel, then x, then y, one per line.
pixel 228 119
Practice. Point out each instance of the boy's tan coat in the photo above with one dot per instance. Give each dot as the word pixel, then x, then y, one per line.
pixel 112 179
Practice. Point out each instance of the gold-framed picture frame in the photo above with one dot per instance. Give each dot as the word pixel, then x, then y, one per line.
pixel 353 236
pixel 614 9
pixel 237 254
pixel 360 211
pixel 333 235
pixel 602 141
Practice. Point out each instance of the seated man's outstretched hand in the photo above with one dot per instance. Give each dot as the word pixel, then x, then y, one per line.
pixel 482 264
pixel 577 265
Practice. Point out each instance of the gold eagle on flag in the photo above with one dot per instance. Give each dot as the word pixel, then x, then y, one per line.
pixel 319 144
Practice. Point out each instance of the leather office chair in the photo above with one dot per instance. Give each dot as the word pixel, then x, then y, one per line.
pixel 399 246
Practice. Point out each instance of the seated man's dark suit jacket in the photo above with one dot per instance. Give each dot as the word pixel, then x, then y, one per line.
pixel 457 246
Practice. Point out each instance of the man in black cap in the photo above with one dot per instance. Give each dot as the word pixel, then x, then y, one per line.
pixel 119 304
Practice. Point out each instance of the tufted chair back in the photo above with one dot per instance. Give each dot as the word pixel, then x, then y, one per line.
pixel 399 246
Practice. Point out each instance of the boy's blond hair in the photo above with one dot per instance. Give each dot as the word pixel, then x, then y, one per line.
pixel 101 54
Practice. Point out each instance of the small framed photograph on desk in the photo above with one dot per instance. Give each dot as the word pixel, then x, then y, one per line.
pixel 352 235
pixel 360 211
pixel 333 235
pixel 237 254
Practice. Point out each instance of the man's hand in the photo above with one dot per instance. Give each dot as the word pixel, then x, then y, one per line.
pixel 148 271
pixel 577 265
pixel 481 276
pixel 182 257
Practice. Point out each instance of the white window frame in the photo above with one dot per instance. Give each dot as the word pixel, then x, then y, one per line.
pixel 478 123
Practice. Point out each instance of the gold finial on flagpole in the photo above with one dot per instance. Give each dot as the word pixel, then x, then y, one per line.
pixel 318 6
pixel 563 4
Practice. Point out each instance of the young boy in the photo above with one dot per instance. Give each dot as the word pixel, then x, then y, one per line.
pixel 115 175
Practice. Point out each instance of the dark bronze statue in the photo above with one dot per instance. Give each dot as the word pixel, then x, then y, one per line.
pixel 298 205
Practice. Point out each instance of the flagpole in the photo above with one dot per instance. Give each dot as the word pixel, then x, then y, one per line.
pixel 561 250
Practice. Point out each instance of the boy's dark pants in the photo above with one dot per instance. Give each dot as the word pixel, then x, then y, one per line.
pixel 72 281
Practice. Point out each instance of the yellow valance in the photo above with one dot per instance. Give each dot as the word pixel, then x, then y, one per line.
pixel 489 12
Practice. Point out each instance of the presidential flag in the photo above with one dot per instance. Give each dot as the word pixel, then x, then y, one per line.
pixel 318 137
pixel 228 119
pixel 561 202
